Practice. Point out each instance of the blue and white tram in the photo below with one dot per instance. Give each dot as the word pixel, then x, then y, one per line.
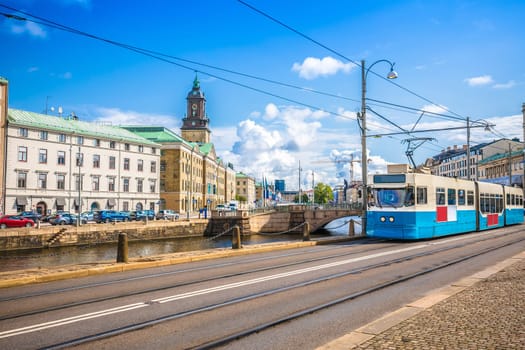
pixel 418 206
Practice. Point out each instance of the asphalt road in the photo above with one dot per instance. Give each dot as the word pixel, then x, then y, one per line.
pixel 188 305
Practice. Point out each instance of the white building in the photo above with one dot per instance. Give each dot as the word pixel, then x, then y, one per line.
pixel 54 163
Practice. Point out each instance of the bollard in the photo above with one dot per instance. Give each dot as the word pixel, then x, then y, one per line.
pixel 122 249
pixel 236 238
pixel 306 232
pixel 351 228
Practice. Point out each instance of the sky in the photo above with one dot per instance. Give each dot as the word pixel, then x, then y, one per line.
pixel 282 79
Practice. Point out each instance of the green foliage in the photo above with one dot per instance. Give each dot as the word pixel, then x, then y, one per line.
pixel 323 193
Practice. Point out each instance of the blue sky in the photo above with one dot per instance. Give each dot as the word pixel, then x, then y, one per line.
pixel 455 58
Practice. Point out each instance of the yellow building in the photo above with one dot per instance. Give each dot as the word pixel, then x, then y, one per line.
pixel 191 175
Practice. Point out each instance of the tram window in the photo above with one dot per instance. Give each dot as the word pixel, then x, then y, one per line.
pixel 508 199
pixel 409 197
pixel 499 203
pixel 512 200
pixel 440 196
pixel 451 196
pixel 421 195
pixel 470 197
pixel 461 197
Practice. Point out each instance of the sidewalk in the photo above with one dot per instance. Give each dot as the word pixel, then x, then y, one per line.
pixel 483 311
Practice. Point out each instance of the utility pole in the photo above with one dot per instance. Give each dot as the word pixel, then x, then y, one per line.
pixel 510 164
pixel 300 182
pixel 523 178
pixel 468 148
pixel 313 188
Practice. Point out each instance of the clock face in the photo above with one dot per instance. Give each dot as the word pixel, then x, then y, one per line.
pixel 193 123
pixel 194 106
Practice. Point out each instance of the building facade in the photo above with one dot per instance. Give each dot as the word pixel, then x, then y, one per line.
pixel 488 161
pixel 54 163
pixel 245 186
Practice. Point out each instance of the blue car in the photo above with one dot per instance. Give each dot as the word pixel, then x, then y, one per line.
pixel 111 216
pixel 65 219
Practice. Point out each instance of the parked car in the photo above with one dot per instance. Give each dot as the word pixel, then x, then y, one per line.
pixel 88 215
pixel 222 207
pixel 167 214
pixel 66 219
pixel 15 221
pixel 31 215
pixel 111 216
pixel 143 214
pixel 46 218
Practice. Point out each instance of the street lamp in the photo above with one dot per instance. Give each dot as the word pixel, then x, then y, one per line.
pixel 79 186
pixel 364 73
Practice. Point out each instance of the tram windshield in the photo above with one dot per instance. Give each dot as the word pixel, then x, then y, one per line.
pixel 394 197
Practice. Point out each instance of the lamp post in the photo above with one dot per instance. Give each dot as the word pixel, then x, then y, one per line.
pixel 79 186
pixel 364 161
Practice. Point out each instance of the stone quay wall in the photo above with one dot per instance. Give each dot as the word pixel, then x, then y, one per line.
pixel 56 236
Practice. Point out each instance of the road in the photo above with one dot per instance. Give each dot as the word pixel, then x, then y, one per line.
pixel 289 299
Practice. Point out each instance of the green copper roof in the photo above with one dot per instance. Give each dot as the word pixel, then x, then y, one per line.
pixel 158 134
pixel 499 156
pixel 3 80
pixel 72 126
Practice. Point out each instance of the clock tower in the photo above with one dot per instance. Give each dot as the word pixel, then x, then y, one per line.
pixel 195 124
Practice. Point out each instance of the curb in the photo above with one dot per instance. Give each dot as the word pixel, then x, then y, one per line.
pixel 375 328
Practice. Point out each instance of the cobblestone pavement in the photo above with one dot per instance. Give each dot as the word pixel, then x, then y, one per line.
pixel 489 314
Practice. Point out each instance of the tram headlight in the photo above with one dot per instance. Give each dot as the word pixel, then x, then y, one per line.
pixel 391 219
pixel 382 218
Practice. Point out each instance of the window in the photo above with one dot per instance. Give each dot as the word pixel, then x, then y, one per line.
pixel 440 196
pixel 141 148
pixel 95 183
pixel 62 138
pixel 112 162
pixel 42 156
pixel 461 197
pixel 125 205
pixel 153 150
pixel 43 135
pixel 80 159
pixel 112 144
pixel 152 186
pixel 153 167
pixel 162 185
pixel 22 180
pixel 421 195
pixel 22 154
pixel 140 185
pixel 126 146
pixel 111 184
pixel 126 163
pixel 80 140
pixel 162 165
pixel 125 185
pixel 470 197
pixel 61 181
pixel 61 158
pixel 140 165
pixel 96 161
pixel 42 180
pixel 451 196
pixel 96 142
pixel 23 132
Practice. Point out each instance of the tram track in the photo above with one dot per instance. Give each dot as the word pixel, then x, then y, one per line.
pixel 286 318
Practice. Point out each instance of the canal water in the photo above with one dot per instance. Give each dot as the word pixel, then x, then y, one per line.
pixel 48 257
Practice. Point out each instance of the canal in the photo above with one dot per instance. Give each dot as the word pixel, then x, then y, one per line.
pixel 57 256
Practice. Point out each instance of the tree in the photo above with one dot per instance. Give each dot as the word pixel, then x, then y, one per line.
pixel 323 193
pixel 304 198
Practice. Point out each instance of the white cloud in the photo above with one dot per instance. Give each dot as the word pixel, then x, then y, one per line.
pixel 30 28
pixel 507 85
pixel 118 117
pixel 479 81
pixel 312 67
pixel 32 69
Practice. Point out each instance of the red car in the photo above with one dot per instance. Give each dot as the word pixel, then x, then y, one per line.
pixel 15 221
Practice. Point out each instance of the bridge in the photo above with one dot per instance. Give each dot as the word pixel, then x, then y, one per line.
pixel 278 219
